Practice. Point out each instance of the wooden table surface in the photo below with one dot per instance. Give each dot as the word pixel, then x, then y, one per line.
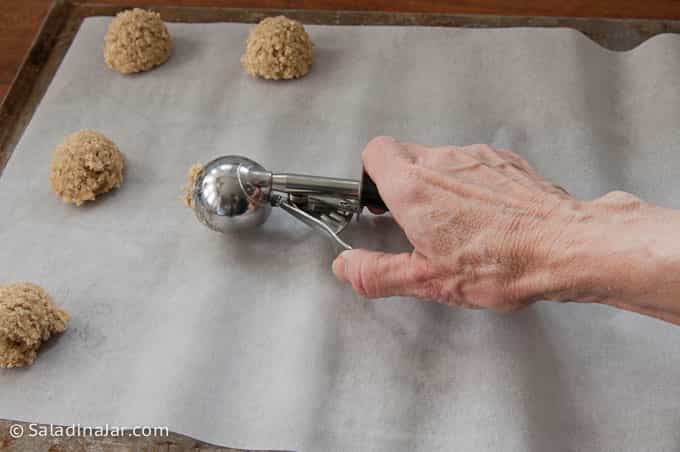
pixel 20 19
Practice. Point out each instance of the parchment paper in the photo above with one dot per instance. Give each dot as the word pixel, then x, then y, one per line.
pixel 250 341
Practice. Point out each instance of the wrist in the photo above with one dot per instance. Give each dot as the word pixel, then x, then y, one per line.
pixel 578 262
pixel 567 248
pixel 615 250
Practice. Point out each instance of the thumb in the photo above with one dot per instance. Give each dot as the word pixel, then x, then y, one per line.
pixel 376 275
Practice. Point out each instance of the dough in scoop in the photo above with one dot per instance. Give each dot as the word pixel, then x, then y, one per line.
pixel 278 48
pixel 193 174
pixel 137 40
pixel 27 319
pixel 84 166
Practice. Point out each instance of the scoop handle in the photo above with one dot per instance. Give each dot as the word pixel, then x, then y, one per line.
pixel 369 195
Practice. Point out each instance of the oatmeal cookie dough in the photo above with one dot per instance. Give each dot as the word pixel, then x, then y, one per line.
pixel 137 40
pixel 193 174
pixel 278 48
pixel 85 165
pixel 27 319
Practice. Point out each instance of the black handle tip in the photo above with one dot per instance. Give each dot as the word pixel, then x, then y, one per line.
pixel 369 196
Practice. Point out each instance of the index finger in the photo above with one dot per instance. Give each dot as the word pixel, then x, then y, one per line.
pixel 389 164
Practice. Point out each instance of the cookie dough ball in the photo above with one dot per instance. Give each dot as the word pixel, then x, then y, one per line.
pixel 194 173
pixel 137 40
pixel 278 48
pixel 27 319
pixel 84 166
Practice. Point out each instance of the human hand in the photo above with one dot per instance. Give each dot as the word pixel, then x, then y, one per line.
pixel 482 222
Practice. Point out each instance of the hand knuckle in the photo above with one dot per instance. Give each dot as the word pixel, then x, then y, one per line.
pixel 381 141
pixel 623 197
pixel 481 149
pixel 450 149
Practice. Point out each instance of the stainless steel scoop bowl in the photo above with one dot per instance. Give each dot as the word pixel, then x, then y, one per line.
pixel 224 197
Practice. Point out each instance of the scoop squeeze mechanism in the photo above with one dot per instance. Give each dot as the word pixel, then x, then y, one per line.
pixel 234 193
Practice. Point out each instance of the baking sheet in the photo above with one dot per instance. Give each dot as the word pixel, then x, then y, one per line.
pixel 249 341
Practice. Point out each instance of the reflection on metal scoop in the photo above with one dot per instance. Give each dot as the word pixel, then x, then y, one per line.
pixel 234 193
